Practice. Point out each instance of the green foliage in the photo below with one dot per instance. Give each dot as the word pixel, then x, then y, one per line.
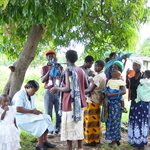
pixel 27 141
pixel 100 25
pixel 145 48
pixel 3 3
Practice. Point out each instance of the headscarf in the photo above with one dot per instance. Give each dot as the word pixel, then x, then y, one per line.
pixel 119 64
pixel 138 61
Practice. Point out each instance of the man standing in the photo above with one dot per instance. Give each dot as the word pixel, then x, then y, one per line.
pixel 50 77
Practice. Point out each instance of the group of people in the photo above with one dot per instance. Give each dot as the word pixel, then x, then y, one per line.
pixel 78 94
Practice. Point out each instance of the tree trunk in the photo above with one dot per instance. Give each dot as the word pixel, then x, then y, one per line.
pixel 20 67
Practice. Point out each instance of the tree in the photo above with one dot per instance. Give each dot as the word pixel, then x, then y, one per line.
pixel 145 48
pixel 100 25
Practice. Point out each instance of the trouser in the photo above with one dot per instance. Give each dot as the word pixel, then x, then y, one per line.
pixel 51 100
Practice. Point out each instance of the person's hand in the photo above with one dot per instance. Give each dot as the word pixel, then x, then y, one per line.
pixel 6 108
pixel 36 112
pixel 53 90
pixel 128 71
pixel 124 57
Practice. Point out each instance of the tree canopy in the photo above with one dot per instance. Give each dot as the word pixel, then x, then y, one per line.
pixel 101 25
pixel 145 48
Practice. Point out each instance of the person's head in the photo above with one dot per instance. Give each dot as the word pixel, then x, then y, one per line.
pixel 51 55
pixel 71 56
pixel 137 64
pixel 116 74
pixel 118 65
pixel 112 55
pixel 88 61
pixel 106 59
pixel 4 100
pixel 31 87
pixel 147 74
pixel 99 65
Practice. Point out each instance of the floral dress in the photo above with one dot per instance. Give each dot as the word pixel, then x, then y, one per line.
pixel 138 118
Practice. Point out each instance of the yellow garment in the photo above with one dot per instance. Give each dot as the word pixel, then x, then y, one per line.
pixel 115 84
pixel 100 82
pixel 92 123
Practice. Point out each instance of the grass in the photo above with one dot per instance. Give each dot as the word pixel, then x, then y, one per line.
pixel 28 141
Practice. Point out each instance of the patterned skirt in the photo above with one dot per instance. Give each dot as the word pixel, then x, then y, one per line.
pixel 92 130
pixel 138 127
pixel 113 125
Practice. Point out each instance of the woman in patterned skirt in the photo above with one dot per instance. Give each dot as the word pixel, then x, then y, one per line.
pixel 138 116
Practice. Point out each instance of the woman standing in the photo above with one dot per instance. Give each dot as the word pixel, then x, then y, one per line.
pixel 73 100
pixel 138 116
pixel 92 112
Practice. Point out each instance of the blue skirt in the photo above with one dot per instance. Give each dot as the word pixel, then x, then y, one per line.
pixel 113 131
pixel 138 126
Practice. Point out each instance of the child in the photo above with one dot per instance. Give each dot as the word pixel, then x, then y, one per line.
pixel 115 90
pixel 9 133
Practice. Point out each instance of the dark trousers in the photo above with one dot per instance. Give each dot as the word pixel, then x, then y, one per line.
pixel 51 100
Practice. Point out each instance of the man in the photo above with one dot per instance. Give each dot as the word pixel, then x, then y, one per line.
pixel 50 76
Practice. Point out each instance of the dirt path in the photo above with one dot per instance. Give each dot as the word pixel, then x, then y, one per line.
pixel 124 144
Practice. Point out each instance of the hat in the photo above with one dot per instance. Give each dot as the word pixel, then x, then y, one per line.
pixel 119 64
pixel 138 61
pixel 50 52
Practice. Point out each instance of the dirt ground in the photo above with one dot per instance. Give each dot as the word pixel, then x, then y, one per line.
pixel 124 145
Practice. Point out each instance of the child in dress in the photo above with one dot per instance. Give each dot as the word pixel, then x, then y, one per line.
pixel 9 133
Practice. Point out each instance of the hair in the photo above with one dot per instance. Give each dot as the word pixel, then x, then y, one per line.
pixel 147 74
pixel 112 54
pixel 89 59
pixel 101 63
pixel 2 96
pixel 106 59
pixel 72 56
pixel 32 84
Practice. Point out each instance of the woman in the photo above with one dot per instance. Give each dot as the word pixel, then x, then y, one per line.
pixel 73 100
pixel 92 111
pixel 114 91
pixel 29 118
pixel 138 116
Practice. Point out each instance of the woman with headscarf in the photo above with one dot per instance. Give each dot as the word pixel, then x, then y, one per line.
pixel 138 116
pixel 114 91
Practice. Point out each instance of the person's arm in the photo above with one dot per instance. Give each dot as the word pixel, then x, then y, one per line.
pixel 4 113
pixel 123 91
pixel 66 88
pixel 15 123
pixel 27 111
pixel 44 76
pixel 91 87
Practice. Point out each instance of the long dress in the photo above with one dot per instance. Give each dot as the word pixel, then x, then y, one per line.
pixel 9 134
pixel 34 124
pixel 113 125
pixel 138 118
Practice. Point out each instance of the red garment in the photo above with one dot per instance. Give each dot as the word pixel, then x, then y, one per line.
pixel 45 69
pixel 66 100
